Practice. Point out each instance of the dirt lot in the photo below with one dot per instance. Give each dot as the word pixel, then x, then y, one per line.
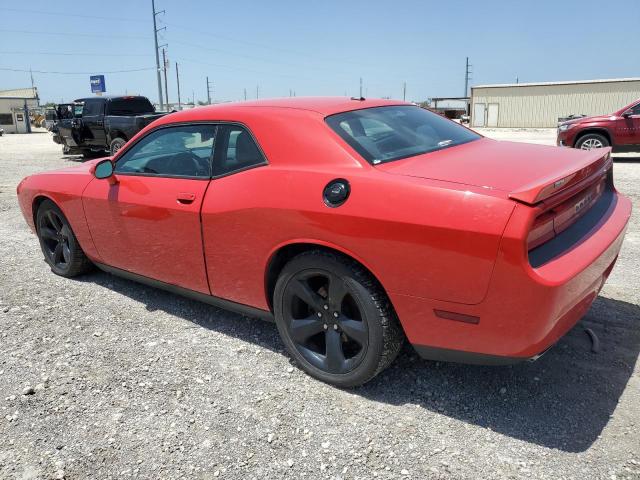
pixel 134 382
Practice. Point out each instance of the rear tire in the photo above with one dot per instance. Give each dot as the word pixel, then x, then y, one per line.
pixel 58 242
pixel 116 144
pixel 591 141
pixel 335 319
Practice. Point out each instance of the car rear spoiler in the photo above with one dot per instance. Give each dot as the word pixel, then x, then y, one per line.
pixel 595 163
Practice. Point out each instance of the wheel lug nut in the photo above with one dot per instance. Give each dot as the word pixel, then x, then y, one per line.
pixel 326 307
pixel 319 314
pixel 326 326
pixel 335 314
pixel 335 327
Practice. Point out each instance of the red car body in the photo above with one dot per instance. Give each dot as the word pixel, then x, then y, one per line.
pixel 621 129
pixel 453 236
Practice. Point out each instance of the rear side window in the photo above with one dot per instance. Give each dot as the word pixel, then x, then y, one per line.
pixel 130 106
pixel 181 151
pixel 92 107
pixel 384 134
pixel 235 150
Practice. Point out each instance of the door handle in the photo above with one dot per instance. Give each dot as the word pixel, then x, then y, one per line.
pixel 186 198
pixel 99 122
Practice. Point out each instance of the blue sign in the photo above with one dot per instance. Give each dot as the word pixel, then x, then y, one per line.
pixel 97 84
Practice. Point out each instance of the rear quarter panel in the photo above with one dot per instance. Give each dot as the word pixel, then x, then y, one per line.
pixel 419 237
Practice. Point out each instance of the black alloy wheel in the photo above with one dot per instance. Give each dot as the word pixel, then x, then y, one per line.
pixel 325 321
pixel 334 319
pixel 55 238
pixel 58 243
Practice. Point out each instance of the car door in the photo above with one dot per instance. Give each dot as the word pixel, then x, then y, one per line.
pixel 93 122
pixel 628 127
pixel 146 218
pixel 70 124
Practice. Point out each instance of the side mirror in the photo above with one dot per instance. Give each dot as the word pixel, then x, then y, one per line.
pixel 627 113
pixel 104 169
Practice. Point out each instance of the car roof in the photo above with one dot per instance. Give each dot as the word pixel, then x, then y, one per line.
pixel 109 97
pixel 321 105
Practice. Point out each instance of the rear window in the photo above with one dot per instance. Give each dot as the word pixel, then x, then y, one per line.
pixel 130 106
pixel 384 134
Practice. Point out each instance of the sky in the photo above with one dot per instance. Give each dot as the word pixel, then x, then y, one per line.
pixel 274 48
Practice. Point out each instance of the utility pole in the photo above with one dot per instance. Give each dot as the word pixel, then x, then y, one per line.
pixel 257 91
pixel 404 91
pixel 33 86
pixel 245 93
pixel 467 76
pixel 208 92
pixel 360 87
pixel 155 39
pixel 178 82
pixel 166 66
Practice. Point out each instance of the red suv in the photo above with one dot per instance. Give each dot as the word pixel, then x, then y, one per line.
pixel 620 130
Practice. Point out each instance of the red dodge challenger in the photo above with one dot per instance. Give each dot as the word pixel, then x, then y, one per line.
pixel 353 223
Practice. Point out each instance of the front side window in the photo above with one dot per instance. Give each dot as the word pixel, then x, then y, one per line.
pixel 384 134
pixel 183 151
pixel 235 150
pixel 77 110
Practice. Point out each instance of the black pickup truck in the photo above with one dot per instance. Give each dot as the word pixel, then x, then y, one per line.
pixel 103 124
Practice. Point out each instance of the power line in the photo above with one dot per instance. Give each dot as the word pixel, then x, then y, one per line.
pixel 265 47
pixel 236 55
pixel 74 73
pixel 88 54
pixel 65 14
pixel 64 34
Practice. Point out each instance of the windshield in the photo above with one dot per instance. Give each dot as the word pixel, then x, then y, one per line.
pixel 384 134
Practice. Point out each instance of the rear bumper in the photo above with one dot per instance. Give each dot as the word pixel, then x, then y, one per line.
pixel 526 309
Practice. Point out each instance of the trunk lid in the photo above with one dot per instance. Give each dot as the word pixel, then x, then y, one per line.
pixel 525 172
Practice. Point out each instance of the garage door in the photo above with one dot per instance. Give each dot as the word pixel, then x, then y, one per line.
pixel 492 115
pixel 478 114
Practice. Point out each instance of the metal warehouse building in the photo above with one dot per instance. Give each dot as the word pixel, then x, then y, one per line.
pixel 13 118
pixel 541 104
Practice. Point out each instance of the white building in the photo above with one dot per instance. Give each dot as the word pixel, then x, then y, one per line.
pixel 12 114
pixel 542 104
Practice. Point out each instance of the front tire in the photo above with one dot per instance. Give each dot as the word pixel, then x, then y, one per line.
pixel 591 141
pixel 58 242
pixel 335 319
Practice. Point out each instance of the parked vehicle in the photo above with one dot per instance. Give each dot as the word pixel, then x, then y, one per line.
pixel 352 223
pixel 619 130
pixel 105 124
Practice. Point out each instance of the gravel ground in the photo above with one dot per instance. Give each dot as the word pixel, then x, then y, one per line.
pixel 104 378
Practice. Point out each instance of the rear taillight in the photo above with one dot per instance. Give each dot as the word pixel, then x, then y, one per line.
pixel 560 217
pixel 541 231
